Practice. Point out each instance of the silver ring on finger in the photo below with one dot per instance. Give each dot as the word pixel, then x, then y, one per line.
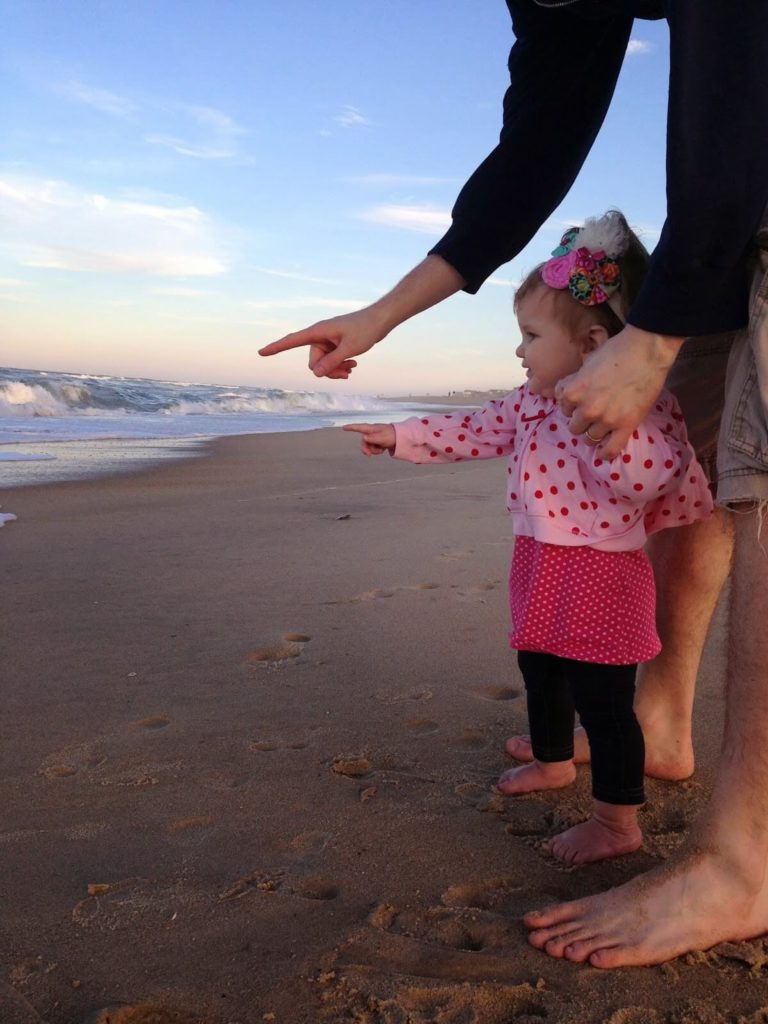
pixel 590 438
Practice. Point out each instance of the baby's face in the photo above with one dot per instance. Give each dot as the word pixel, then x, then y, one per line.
pixel 547 349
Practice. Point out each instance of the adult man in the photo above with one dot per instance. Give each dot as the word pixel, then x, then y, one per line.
pixel 563 70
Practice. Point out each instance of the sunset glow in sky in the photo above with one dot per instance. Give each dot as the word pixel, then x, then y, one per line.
pixel 182 182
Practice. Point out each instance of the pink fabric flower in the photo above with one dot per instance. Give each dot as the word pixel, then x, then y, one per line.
pixel 557 272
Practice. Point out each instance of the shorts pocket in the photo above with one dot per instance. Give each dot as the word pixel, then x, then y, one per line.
pixel 748 377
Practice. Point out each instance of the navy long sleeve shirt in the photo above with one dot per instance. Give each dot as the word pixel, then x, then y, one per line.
pixel 717 148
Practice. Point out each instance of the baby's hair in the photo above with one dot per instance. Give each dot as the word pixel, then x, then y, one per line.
pixel 632 258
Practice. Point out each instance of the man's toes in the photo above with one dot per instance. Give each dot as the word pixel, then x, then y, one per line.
pixel 580 950
pixel 557 946
pixel 559 914
pixel 559 933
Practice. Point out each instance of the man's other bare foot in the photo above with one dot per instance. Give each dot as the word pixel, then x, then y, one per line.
pixel 610 832
pixel 668 748
pixel 531 778
pixel 702 898
pixel 520 748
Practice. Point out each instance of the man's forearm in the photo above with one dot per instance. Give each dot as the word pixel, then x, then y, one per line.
pixel 427 284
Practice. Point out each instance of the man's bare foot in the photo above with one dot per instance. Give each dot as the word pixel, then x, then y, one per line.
pixel 611 831
pixel 530 778
pixel 520 748
pixel 702 898
pixel 668 747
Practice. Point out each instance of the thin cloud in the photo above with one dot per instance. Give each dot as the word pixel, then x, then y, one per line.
pixel 295 276
pixel 350 117
pixel 426 220
pixel 211 133
pixel 182 293
pixel 397 180
pixel 308 302
pixel 214 119
pixel 13 282
pixel 638 46
pixel 504 282
pixel 201 152
pixel 112 235
pixel 100 99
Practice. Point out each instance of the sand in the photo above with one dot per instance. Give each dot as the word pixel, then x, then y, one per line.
pixel 253 707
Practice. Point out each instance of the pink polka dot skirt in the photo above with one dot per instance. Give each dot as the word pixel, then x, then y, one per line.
pixel 583 603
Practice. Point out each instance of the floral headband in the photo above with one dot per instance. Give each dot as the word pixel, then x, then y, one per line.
pixel 590 274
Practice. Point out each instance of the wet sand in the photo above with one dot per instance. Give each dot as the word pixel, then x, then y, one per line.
pixel 254 705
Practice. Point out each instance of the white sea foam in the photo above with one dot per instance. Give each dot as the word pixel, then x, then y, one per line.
pixel 46 406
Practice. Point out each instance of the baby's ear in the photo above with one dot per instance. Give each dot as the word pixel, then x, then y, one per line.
pixel 594 338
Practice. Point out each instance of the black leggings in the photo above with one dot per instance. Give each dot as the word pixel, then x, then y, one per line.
pixel 603 696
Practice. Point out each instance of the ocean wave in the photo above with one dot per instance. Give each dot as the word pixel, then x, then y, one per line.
pixel 45 394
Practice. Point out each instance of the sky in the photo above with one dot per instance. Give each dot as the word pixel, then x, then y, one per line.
pixel 182 182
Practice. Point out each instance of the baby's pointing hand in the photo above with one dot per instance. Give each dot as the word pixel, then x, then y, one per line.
pixel 376 438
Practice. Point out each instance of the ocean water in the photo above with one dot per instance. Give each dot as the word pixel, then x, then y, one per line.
pixel 62 426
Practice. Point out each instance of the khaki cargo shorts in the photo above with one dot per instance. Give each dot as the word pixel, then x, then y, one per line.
pixel 721 382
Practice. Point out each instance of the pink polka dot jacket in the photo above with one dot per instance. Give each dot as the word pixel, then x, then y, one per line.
pixel 559 490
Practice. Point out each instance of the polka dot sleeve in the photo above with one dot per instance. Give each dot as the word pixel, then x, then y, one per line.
pixel 485 433
pixel 648 466
pixel 657 470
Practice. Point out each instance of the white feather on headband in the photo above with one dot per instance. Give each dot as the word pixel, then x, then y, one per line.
pixel 609 233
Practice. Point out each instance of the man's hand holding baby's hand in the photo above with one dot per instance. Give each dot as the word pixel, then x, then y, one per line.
pixel 376 438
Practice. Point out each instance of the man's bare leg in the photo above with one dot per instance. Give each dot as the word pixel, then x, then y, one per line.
pixel 716 888
pixel 691 564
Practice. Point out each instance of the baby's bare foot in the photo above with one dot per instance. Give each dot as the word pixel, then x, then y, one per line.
pixel 610 832
pixel 530 778
pixel 520 748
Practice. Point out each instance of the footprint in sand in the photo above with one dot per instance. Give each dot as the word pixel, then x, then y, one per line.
pixel 479 592
pixel 140 1013
pixel 455 554
pixel 382 592
pixel 289 646
pixel 469 739
pixel 492 894
pixel 368 595
pixel 223 780
pixel 439 964
pixel 481 798
pixel 311 887
pixel 496 692
pixel 317 888
pixel 113 906
pixel 421 726
pixel 406 695
pixel 310 842
pixel 266 746
pixel 68 762
pixel 192 830
pixel 255 881
pixel 152 723
pixel 355 766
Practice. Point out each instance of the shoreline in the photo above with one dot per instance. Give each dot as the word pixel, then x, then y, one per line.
pixel 255 704
pixel 51 461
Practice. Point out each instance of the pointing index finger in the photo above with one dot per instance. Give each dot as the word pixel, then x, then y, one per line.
pixel 309 336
